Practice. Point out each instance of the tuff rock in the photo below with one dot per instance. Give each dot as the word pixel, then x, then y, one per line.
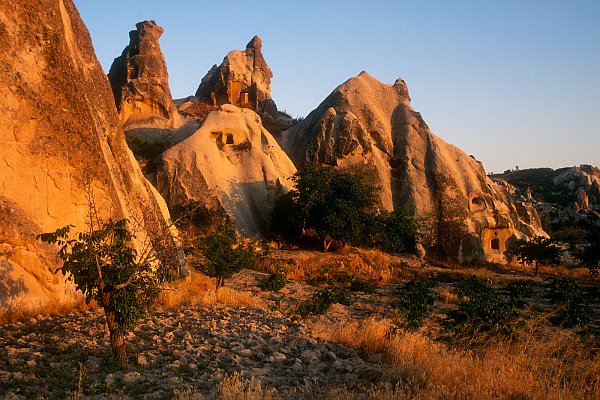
pixel 230 162
pixel 140 82
pixel 370 127
pixel 61 147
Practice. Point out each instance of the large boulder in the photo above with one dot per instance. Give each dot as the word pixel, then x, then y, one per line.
pixel 140 82
pixel 367 126
pixel 62 148
pixel 231 162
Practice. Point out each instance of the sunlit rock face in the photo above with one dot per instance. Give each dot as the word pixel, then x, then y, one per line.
pixel 242 79
pixel 140 82
pixel 367 126
pixel 61 146
pixel 231 162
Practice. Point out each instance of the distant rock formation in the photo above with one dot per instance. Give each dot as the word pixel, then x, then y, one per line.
pixel 563 197
pixel 61 146
pixel 367 126
pixel 230 162
pixel 140 82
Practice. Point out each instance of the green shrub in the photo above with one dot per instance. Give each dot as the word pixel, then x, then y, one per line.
pixel 415 301
pixel 274 282
pixel 361 285
pixel 572 303
pixel 223 254
pixel 483 310
pixel 323 299
pixel 519 290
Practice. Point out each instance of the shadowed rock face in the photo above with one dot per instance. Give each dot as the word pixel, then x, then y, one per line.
pixel 232 162
pixel 368 126
pixel 61 146
pixel 140 82
pixel 243 79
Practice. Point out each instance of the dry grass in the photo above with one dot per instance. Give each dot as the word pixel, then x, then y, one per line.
pixel 236 387
pixel 23 310
pixel 546 363
pixel 371 265
pixel 199 289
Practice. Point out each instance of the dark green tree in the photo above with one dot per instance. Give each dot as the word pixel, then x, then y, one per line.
pixel 536 251
pixel 105 266
pixel 223 254
pixel 590 257
pixel 331 202
pixel 391 232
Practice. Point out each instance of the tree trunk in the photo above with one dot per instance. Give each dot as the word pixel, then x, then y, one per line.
pixel 536 268
pixel 117 338
pixel 326 244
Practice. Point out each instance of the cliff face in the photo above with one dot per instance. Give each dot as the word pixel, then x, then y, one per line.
pixel 140 82
pixel 61 146
pixel 369 126
pixel 232 162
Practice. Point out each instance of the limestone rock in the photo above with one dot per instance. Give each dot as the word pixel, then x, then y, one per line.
pixel 243 79
pixel 231 161
pixel 61 145
pixel 140 82
pixel 371 127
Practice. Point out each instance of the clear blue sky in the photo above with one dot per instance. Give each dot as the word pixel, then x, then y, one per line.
pixel 510 82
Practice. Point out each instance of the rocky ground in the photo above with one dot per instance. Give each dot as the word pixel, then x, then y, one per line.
pixel 178 351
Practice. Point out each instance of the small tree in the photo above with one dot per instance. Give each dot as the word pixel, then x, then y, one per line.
pixel 223 254
pixel 536 251
pixel 590 257
pixel 331 202
pixel 105 266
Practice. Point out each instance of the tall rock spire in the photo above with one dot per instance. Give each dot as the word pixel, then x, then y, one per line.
pixel 140 81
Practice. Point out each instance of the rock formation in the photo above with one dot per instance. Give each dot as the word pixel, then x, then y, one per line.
pixel 243 79
pixel 368 126
pixel 61 146
pixel 140 82
pixel 563 197
pixel 232 162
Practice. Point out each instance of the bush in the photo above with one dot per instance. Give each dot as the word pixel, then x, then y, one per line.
pixel 572 303
pixel 415 301
pixel 390 232
pixel 323 299
pixel 361 285
pixel 483 310
pixel 274 282
pixel 223 254
pixel 519 290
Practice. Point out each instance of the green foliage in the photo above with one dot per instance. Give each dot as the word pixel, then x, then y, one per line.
pixel 274 282
pixel 323 299
pixel 591 255
pixel 519 290
pixel 104 262
pixel 336 205
pixel 539 250
pixel 572 302
pixel 415 301
pixel 223 254
pixel 483 310
pixel 105 267
pixel 390 232
pixel 360 285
